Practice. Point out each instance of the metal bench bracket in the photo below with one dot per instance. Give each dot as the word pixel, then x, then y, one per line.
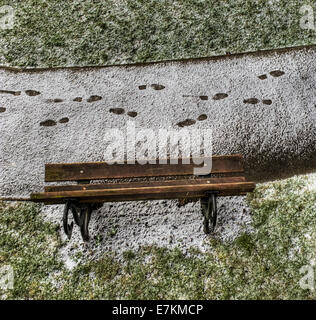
pixel 209 211
pixel 81 215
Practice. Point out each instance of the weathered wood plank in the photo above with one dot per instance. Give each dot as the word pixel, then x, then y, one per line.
pixel 142 184
pixel 156 190
pixel 145 197
pixel 102 170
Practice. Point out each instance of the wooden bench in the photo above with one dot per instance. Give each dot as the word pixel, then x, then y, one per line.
pixel 163 181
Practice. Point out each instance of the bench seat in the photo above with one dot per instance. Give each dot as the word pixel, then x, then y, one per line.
pixel 167 189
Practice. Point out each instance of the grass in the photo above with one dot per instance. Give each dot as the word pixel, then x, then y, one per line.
pixel 50 33
pixel 31 247
pixel 264 264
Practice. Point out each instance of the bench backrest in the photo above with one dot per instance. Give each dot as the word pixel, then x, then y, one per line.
pixel 102 170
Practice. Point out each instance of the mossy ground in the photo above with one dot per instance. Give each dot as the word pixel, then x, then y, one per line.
pixel 264 264
pixel 50 33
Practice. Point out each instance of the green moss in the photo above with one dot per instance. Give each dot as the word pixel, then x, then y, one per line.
pixel 245 241
pixel 264 264
pixel 129 255
pixel 31 247
pixel 65 33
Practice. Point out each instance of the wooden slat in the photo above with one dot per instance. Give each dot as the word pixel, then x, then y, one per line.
pixel 147 197
pixel 102 170
pixel 109 194
pixel 142 184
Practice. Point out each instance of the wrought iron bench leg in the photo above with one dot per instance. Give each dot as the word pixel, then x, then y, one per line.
pixel 209 211
pixel 81 215
pixel 85 215
pixel 68 227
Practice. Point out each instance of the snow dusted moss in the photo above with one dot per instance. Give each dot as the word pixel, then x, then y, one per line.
pixel 50 33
